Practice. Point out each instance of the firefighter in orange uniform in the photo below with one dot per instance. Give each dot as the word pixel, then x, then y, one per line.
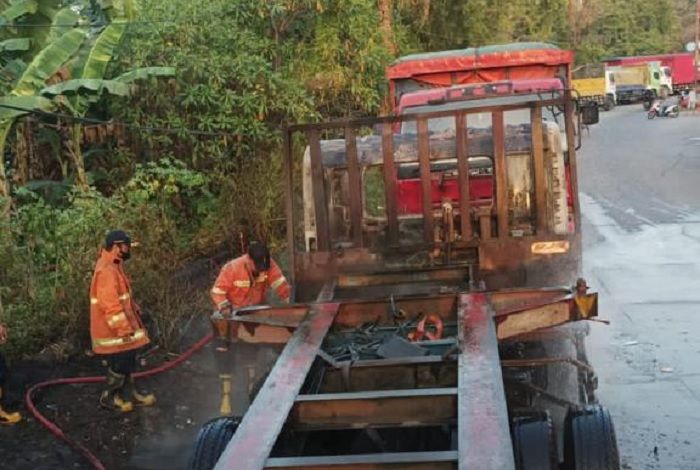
pixel 116 327
pixel 242 282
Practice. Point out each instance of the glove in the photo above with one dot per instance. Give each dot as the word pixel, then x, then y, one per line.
pixel 217 315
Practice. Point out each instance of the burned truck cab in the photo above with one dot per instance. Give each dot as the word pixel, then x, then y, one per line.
pixel 478 176
pixel 433 253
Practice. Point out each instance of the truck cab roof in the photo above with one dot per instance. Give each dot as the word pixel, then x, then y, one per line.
pixel 478 91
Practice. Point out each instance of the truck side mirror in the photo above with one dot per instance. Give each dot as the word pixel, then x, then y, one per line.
pixel 589 113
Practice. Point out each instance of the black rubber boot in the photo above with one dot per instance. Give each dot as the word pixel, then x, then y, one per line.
pixel 112 397
pixel 139 398
pixel 6 417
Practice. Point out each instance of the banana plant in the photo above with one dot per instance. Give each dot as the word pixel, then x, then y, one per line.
pixel 26 90
pixel 90 84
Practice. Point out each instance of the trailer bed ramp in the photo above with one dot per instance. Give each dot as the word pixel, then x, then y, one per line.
pixel 476 405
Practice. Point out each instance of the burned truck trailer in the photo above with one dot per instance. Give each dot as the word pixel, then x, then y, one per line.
pixel 430 249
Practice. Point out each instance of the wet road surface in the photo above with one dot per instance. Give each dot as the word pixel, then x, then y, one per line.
pixel 640 197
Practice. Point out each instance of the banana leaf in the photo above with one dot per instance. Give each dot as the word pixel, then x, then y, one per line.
pixel 49 61
pixel 21 105
pixel 87 85
pixel 17 10
pixel 13 45
pixel 145 72
pixel 102 51
pixel 13 70
pixel 64 16
pixel 93 63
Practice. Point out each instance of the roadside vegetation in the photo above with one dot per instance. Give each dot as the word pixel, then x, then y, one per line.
pixel 161 118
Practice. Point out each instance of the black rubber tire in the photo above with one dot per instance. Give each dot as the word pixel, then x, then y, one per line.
pixel 211 442
pixel 608 103
pixel 534 447
pixel 589 440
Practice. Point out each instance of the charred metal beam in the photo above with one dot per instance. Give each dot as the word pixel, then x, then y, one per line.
pixel 441 460
pixel 425 179
pixel 571 144
pixel 390 177
pixel 440 274
pixel 538 164
pixel 484 431
pixel 545 361
pixel 499 153
pixel 370 121
pixel 257 433
pixel 319 192
pixel 465 210
pixel 389 408
pixel 289 201
pixel 355 185
pixel 390 374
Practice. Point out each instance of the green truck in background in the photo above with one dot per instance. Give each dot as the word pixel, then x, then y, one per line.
pixel 632 81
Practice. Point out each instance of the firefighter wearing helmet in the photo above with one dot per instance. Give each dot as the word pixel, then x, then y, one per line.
pixel 116 328
pixel 243 282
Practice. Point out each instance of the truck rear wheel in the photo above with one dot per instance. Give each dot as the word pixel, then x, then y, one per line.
pixel 211 442
pixel 589 440
pixel 533 443
pixel 608 103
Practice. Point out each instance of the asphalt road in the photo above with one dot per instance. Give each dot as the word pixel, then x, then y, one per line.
pixel 640 196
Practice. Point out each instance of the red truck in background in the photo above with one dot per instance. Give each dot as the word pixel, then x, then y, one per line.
pixel 515 62
pixel 682 66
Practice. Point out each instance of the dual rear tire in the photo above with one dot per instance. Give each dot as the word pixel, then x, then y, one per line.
pixel 589 441
pixel 211 442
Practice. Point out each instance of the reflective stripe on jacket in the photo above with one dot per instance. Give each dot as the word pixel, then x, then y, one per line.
pixel 115 323
pixel 235 285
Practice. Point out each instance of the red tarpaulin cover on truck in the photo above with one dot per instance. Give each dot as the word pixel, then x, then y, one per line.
pixel 484 64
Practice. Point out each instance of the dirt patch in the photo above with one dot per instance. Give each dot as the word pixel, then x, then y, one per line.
pixel 154 438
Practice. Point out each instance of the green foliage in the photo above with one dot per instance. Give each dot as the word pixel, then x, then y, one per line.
pixel 13 45
pixel 49 61
pixel 47 252
pixel 24 103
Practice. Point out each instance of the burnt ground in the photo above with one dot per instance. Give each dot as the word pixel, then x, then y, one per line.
pixel 160 437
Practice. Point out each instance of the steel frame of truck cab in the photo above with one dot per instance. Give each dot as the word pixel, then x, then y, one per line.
pixel 357 286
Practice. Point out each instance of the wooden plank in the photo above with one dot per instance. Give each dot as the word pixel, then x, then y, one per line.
pixel 484 432
pixel 253 441
pixel 465 209
pixel 538 164
pixel 426 184
pixel 394 461
pixel 355 185
pixel 390 184
pixel 389 408
pixel 499 152
pixel 319 192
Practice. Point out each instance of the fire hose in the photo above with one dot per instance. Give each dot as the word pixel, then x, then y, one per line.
pixel 58 432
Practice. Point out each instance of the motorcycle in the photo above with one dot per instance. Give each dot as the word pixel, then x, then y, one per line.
pixel 663 110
